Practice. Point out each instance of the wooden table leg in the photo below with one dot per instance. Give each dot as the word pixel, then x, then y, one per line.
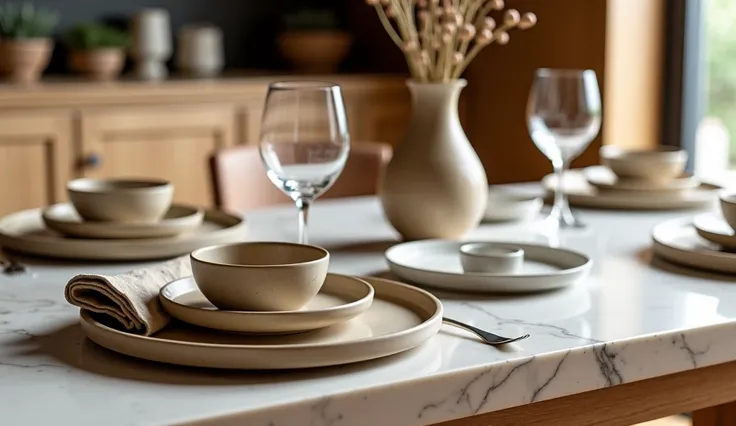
pixel 720 415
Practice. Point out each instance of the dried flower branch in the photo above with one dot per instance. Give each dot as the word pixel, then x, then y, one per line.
pixel 440 38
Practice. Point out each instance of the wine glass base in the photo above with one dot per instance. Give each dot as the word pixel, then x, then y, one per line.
pixel 565 222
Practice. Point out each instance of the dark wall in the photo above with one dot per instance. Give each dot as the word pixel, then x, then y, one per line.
pixel 249 27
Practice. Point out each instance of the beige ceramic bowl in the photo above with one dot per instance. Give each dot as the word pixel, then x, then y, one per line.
pixel 261 276
pixel 120 200
pixel 728 207
pixel 659 164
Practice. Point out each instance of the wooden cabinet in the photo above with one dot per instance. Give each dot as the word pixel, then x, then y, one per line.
pixel 36 158
pixel 167 142
pixel 53 132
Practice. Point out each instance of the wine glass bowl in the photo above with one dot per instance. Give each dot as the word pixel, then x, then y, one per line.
pixel 563 116
pixel 304 141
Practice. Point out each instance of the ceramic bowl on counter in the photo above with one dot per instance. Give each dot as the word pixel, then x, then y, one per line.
pixel 728 207
pixel 260 276
pixel 658 164
pixel 121 200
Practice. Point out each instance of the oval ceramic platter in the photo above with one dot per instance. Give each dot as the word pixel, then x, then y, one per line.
pixel 340 299
pixel 25 232
pixel 678 241
pixel 436 263
pixel 400 318
pixel 64 219
pixel 580 193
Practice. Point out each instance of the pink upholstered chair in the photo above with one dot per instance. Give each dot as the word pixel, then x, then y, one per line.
pixel 240 183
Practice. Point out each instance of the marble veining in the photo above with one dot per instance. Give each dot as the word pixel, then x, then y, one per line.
pixel 632 319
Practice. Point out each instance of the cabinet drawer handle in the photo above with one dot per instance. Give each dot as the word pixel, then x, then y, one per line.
pixel 93 160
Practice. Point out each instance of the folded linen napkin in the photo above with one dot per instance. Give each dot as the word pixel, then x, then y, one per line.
pixel 132 297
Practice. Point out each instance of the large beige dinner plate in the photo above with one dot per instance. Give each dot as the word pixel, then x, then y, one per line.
pixel 581 194
pixel 436 263
pixel 341 298
pixel 178 220
pixel 602 177
pixel 715 229
pixel 25 232
pixel 677 240
pixel 401 317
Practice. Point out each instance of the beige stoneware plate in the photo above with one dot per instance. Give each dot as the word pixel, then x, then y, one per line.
pixel 179 219
pixel 602 177
pixel 582 194
pixel 436 263
pixel 677 240
pixel 401 317
pixel 340 299
pixel 25 232
pixel 715 229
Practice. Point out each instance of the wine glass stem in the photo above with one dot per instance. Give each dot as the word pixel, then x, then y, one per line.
pixel 561 207
pixel 303 203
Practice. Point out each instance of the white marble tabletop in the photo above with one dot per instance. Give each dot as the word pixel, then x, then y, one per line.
pixel 633 318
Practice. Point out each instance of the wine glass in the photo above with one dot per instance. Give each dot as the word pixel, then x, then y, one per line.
pixel 564 116
pixel 304 141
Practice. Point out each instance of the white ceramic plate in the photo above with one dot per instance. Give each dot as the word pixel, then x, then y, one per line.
pixel 25 232
pixel 64 219
pixel 603 178
pixel 714 228
pixel 504 206
pixel 401 317
pixel 436 263
pixel 340 299
pixel 677 240
pixel 582 194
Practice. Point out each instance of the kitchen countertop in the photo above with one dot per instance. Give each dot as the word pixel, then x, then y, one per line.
pixel 633 318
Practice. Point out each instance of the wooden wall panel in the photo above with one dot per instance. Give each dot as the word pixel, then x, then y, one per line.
pixel 570 34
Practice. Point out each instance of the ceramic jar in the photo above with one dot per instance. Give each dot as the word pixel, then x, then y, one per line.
pixel 151 46
pixel 200 50
pixel 435 185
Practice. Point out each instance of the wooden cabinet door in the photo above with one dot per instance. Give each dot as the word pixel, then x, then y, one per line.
pixel 163 141
pixel 378 118
pixel 35 158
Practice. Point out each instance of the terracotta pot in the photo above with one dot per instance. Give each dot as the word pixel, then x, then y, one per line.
pixel 315 51
pixel 435 185
pixel 24 61
pixel 99 64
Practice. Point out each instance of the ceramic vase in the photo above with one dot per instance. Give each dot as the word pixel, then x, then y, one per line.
pixel 200 51
pixel 435 185
pixel 24 60
pixel 151 47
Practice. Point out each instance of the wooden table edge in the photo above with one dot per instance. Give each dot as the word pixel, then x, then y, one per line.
pixel 708 392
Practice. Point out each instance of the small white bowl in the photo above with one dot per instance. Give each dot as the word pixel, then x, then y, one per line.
pixel 504 206
pixel 491 258
pixel 728 207
pixel 120 200
pixel 661 163
pixel 260 276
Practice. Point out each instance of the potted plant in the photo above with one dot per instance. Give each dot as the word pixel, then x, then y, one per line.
pixel 97 50
pixel 313 42
pixel 25 45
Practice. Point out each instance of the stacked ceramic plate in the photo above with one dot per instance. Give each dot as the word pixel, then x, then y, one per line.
pixel 646 180
pixel 117 220
pixel 507 206
pixel 506 267
pixel 267 305
pixel 707 241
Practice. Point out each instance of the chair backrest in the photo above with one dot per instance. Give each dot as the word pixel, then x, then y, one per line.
pixel 240 183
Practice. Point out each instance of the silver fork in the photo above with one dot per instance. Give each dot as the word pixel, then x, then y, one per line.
pixel 10 265
pixel 487 337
